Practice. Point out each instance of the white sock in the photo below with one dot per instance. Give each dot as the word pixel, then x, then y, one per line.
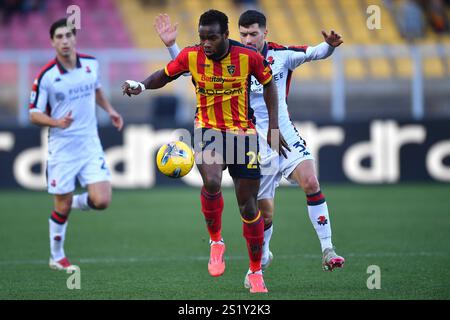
pixel 320 219
pixel 216 242
pixel 257 272
pixel 57 237
pixel 80 201
pixel 266 243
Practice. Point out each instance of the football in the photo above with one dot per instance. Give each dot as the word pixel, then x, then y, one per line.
pixel 175 159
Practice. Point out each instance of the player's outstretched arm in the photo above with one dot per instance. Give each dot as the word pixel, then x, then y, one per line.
pixel 166 31
pixel 168 35
pixel 333 39
pixel 156 80
pixel 321 51
pixel 271 100
pixel 326 48
pixel 43 120
pixel 101 100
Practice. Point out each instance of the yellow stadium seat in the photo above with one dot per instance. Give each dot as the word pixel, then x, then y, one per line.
pixel 354 69
pixel 433 67
pixel 404 67
pixel 324 67
pixel 380 68
pixel 306 72
pixel 296 22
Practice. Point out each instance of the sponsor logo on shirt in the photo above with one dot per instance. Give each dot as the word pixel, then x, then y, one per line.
pixel 82 88
pixel 59 96
pixel 217 79
pixel 217 92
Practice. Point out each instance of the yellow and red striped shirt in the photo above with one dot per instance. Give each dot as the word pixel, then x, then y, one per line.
pixel 222 87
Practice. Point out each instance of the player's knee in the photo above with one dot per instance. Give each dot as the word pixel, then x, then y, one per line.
pixel 212 184
pixel 266 208
pixel 267 220
pixel 267 216
pixel 248 210
pixel 311 185
pixel 64 208
pixel 100 202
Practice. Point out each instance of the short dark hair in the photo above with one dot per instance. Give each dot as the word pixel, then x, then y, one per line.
pixel 211 17
pixel 250 17
pixel 58 24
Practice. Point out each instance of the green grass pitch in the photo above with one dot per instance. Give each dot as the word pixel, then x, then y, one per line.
pixel 152 244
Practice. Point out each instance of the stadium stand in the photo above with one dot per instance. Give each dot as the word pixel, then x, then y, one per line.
pixel 105 30
pixel 305 21
pixel 307 17
pixel 126 24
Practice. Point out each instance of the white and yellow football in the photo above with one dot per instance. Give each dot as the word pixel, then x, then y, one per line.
pixel 175 159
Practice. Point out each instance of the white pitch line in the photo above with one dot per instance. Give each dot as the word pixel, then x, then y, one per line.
pixel 205 258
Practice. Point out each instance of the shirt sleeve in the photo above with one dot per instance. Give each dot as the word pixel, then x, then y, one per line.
pixel 260 68
pixel 301 54
pixel 174 50
pixel 38 96
pixel 179 65
pixel 98 83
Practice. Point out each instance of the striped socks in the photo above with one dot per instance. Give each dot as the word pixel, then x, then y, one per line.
pixel 212 207
pixel 254 235
pixel 318 214
pixel 57 230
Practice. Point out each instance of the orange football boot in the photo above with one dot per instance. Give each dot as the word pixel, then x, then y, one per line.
pixel 216 264
pixel 255 282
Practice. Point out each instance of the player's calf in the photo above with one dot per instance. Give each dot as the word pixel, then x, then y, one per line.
pixel 266 261
pixel 85 202
pixel 99 195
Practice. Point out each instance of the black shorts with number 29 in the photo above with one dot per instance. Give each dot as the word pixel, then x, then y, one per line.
pixel 240 152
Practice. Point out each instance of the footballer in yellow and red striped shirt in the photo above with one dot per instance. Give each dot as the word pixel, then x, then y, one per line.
pixel 222 87
pixel 221 69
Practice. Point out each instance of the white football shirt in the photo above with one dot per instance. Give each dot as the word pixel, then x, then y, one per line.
pixel 283 61
pixel 56 92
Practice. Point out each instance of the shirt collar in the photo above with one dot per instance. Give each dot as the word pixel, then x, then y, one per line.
pixel 63 70
pixel 264 50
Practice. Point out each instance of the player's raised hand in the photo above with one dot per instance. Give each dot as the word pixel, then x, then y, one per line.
pixel 66 121
pixel 333 39
pixel 131 87
pixel 281 146
pixel 116 119
pixel 165 29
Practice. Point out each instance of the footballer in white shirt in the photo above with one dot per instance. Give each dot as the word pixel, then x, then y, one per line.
pixel 64 98
pixel 298 167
